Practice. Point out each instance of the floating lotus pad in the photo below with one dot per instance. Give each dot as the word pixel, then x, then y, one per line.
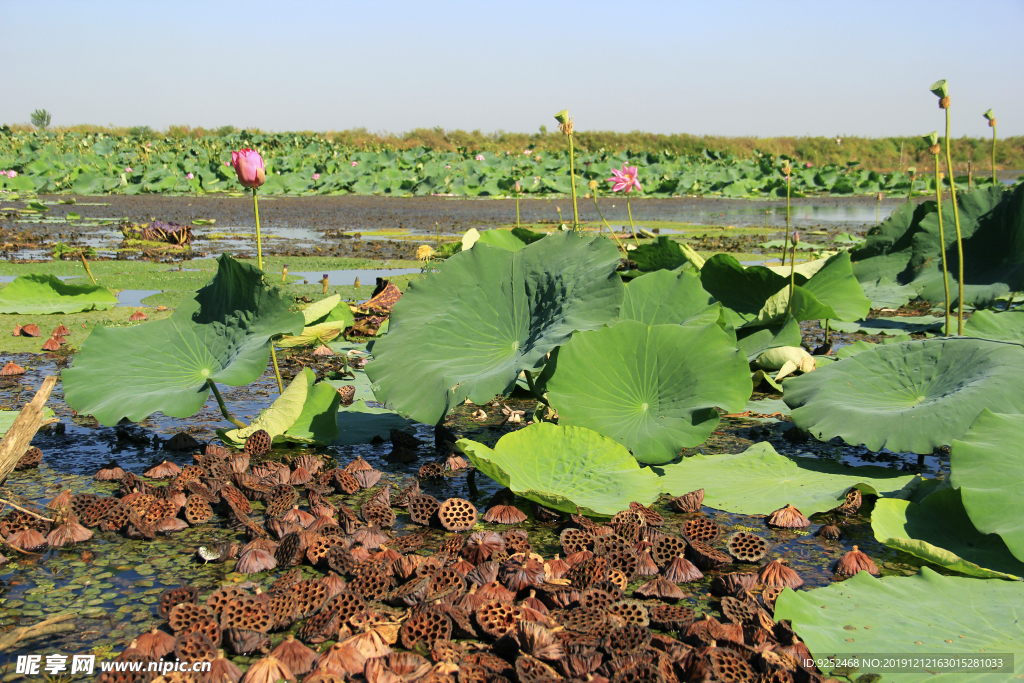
pixel 1005 326
pixel 927 615
pixel 46 294
pixel 222 335
pixel 987 467
pixel 914 396
pixel 562 467
pixel 469 330
pixel 759 481
pixel 938 530
pixel 664 298
pixel 651 388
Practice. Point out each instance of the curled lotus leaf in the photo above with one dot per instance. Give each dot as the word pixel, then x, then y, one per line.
pixel 46 294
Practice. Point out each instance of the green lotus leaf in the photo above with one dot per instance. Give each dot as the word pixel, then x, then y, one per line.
pixel 664 298
pixel 939 531
pixel 744 290
pixel 321 333
pixel 987 467
pixel 470 329
pixel 927 615
pixel 760 377
pixel 1005 326
pixel 753 341
pixel 317 310
pixel 564 467
pixel 664 254
pixel 501 238
pixel 221 335
pixel 359 423
pixel 915 396
pixel 775 359
pixel 884 293
pixel 900 325
pixel 7 418
pixel 759 481
pixel 317 423
pixel 281 414
pixel 45 294
pixel 653 388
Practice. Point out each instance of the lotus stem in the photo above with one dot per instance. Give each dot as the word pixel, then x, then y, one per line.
pixel 792 280
pixel 942 240
pixel 259 239
pixel 614 236
pixel 994 181
pixel 561 221
pixel 572 179
pixel 223 408
pixel 277 371
pixel 87 268
pixel 828 334
pixel 533 388
pixel 517 209
pixel 785 244
pixel 629 211
pixel 959 237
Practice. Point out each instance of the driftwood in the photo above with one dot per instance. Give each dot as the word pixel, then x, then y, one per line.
pixel 17 439
pixel 57 624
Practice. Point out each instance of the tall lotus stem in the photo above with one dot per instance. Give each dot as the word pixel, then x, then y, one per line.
pixel 629 212
pixel 941 91
pixel 878 210
pixel 565 126
pixel 517 203
pixel 792 273
pixel 259 240
pixel 277 370
pixel 87 268
pixel 223 408
pixel 593 188
pixel 992 124
pixel 561 221
pixel 788 172
pixel 626 179
pixel 934 149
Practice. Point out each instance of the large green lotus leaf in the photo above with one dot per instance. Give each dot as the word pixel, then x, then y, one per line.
pixel 318 422
pixel 759 481
pixel 470 329
pixel 939 531
pixel 835 286
pixel 744 290
pixel 221 335
pixel 664 254
pixel 916 396
pixel 501 238
pixel 807 269
pixel 753 341
pixel 562 467
pixel 927 615
pixel 885 293
pixel 7 418
pixel 321 333
pixel 1005 326
pixel 359 423
pixel 664 298
pixel 282 413
pixel 900 325
pixel 651 388
pixel 318 310
pixel 987 467
pixel 45 294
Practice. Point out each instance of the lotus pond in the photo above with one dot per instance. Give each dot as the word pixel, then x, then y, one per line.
pixel 540 455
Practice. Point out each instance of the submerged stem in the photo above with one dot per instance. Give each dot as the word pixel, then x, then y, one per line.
pixel 959 237
pixel 223 408
pixel 942 241
pixel 259 240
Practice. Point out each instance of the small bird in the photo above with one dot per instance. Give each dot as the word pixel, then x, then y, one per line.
pixel 207 554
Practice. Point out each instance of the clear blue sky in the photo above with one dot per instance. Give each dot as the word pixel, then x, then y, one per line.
pixel 729 67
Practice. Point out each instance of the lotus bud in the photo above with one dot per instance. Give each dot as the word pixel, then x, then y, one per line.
pixel 356 283
pixel 796 238
pixel 592 184
pixel 990 115
pixel 879 196
pixel 518 189
pixel 284 272
pixel 250 168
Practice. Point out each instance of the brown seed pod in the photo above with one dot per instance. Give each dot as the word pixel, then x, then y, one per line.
pixel 747 547
pixel 155 644
pixel 445 582
pixel 504 514
pixel 729 665
pixel 662 589
pixel 30 330
pixel 740 611
pixel 853 562
pixel 651 516
pixel 255 560
pixel 194 647
pixel 667 548
pixel 258 443
pixel 246 612
pixel 691 502
pixel 423 509
pixel 430 470
pixel 28 540
pixel 520 573
pixel 426 627
pixel 681 570
pixel 164 470
pixel 456 514
pixel 412 488
pixel 372 585
pixel 516 541
pixel 701 529
pixel 788 518
pixel 172 597
pixel 671 617
pixel 851 505
pixel 320 627
pixel 575 540
pixel 775 573
pixel 498 618
pixel 829 531
pixel 769 594
pixel 624 560
pixel 283 498
pixel 707 557
pixel 310 595
pixel 366 478
pixel 627 640
pixel 268 670
pixel 109 472
pixel 316 552
pixel 585 574
pixel 296 656
pixel 31 459
pixel 11 369
pixel 731 584
pixel 219 598
pixel 630 612
pixel 197 510
pixel 186 614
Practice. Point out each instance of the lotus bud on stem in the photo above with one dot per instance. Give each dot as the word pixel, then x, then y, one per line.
pixel 565 126
pixel 990 115
pixel 941 91
pixel 933 147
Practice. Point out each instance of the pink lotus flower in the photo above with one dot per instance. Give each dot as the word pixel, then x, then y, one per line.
pixel 626 179
pixel 227 163
pixel 316 176
pixel 127 169
pixel 190 176
pixel 479 157
pixel 527 151
pixel 249 167
pixel 355 163
pixel 809 164
pixel 12 174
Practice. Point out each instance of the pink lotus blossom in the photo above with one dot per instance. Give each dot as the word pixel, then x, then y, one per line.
pixel 12 174
pixel 527 151
pixel 626 179
pixel 316 176
pixel 809 164
pixel 479 157
pixel 355 163
pixel 227 163
pixel 127 169
pixel 190 176
pixel 249 167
